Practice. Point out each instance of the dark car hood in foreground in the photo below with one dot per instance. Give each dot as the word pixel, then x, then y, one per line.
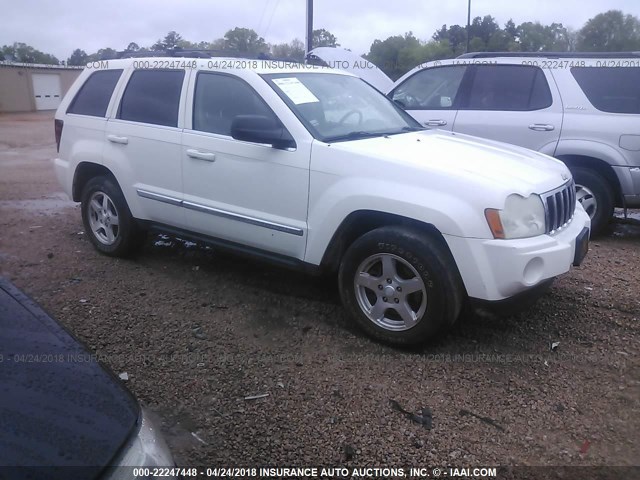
pixel 58 406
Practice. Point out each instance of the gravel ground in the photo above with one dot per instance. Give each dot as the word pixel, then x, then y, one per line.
pixel 198 331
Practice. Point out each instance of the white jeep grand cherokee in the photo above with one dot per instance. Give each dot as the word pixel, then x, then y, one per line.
pixel 315 169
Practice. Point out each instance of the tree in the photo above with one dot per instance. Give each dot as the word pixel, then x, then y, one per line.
pixel 455 35
pixel 23 53
pixel 483 28
pixel 78 58
pixel 132 47
pixel 244 40
pixel 395 55
pixel 103 54
pixel 535 37
pixel 170 41
pixel 610 31
pixel 293 50
pixel 324 38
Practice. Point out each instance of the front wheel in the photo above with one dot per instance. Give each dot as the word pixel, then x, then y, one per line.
pixel 107 219
pixel 400 285
pixel 596 197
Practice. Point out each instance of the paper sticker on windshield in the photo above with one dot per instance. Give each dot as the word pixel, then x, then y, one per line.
pixel 295 90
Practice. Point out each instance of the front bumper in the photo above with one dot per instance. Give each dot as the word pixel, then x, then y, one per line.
pixel 498 269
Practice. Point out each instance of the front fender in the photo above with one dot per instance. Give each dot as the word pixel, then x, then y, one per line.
pixel 446 211
pixel 590 148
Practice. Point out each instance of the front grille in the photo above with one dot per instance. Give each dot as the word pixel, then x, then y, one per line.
pixel 559 205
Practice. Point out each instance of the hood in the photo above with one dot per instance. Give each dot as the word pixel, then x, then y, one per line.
pixel 502 167
pixel 59 407
pixel 342 59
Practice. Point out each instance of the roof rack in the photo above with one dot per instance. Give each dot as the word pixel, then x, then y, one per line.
pixel 552 54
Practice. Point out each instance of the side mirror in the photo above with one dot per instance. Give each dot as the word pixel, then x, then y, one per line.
pixel 261 129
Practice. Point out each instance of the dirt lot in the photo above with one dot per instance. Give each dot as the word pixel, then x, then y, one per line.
pixel 198 331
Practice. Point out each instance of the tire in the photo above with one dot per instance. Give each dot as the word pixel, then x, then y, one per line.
pixel 400 285
pixel 596 196
pixel 107 219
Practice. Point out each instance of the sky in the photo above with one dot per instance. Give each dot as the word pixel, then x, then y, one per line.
pixel 60 27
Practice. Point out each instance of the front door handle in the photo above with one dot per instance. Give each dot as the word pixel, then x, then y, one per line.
pixel 435 123
pixel 541 127
pixel 208 156
pixel 116 139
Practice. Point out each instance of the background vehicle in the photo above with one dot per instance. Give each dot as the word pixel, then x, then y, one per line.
pixel 582 108
pixel 314 169
pixel 65 415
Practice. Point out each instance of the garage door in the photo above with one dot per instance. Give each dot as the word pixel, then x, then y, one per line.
pixel 46 88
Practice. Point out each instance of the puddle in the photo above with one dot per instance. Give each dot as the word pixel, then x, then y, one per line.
pixel 626 227
pixel 45 205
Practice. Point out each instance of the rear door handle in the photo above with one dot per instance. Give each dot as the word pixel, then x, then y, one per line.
pixel 208 156
pixel 116 139
pixel 435 123
pixel 541 127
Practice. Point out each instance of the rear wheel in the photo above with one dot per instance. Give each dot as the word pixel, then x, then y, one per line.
pixel 107 219
pixel 595 195
pixel 400 285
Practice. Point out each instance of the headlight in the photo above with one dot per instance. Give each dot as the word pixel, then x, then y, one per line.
pixel 520 218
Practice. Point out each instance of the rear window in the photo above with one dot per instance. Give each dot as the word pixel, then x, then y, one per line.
pixel 509 88
pixel 152 96
pixel 610 89
pixel 93 97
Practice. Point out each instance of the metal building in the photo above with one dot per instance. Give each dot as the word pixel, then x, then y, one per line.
pixel 26 87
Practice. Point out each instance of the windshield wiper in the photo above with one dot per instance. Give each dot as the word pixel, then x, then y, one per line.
pixel 358 134
pixel 355 135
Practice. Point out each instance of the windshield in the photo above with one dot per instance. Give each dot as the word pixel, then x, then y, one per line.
pixel 337 107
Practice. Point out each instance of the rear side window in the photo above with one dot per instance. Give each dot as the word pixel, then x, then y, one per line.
pixel 509 88
pixel 610 89
pixel 93 97
pixel 152 96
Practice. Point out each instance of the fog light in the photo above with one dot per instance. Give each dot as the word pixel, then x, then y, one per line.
pixel 533 271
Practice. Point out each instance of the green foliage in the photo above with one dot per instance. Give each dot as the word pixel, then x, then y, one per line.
pixel 324 38
pixel 78 58
pixel 293 50
pixel 611 31
pixel 169 42
pixel 244 40
pixel 23 53
pixel 396 54
pixel 535 37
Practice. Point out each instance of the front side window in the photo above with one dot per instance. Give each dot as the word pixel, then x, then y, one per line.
pixel 509 88
pixel 610 89
pixel 431 89
pixel 337 107
pixel 219 99
pixel 152 96
pixel 94 96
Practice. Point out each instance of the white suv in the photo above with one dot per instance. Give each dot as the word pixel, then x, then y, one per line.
pixel 582 108
pixel 313 168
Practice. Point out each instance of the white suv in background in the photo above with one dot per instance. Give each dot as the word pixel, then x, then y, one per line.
pixel 582 108
pixel 312 168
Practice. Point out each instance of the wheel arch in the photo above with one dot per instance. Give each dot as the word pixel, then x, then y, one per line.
pixel 359 222
pixel 599 166
pixel 84 172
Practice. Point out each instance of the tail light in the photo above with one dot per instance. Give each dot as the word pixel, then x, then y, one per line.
pixel 58 124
